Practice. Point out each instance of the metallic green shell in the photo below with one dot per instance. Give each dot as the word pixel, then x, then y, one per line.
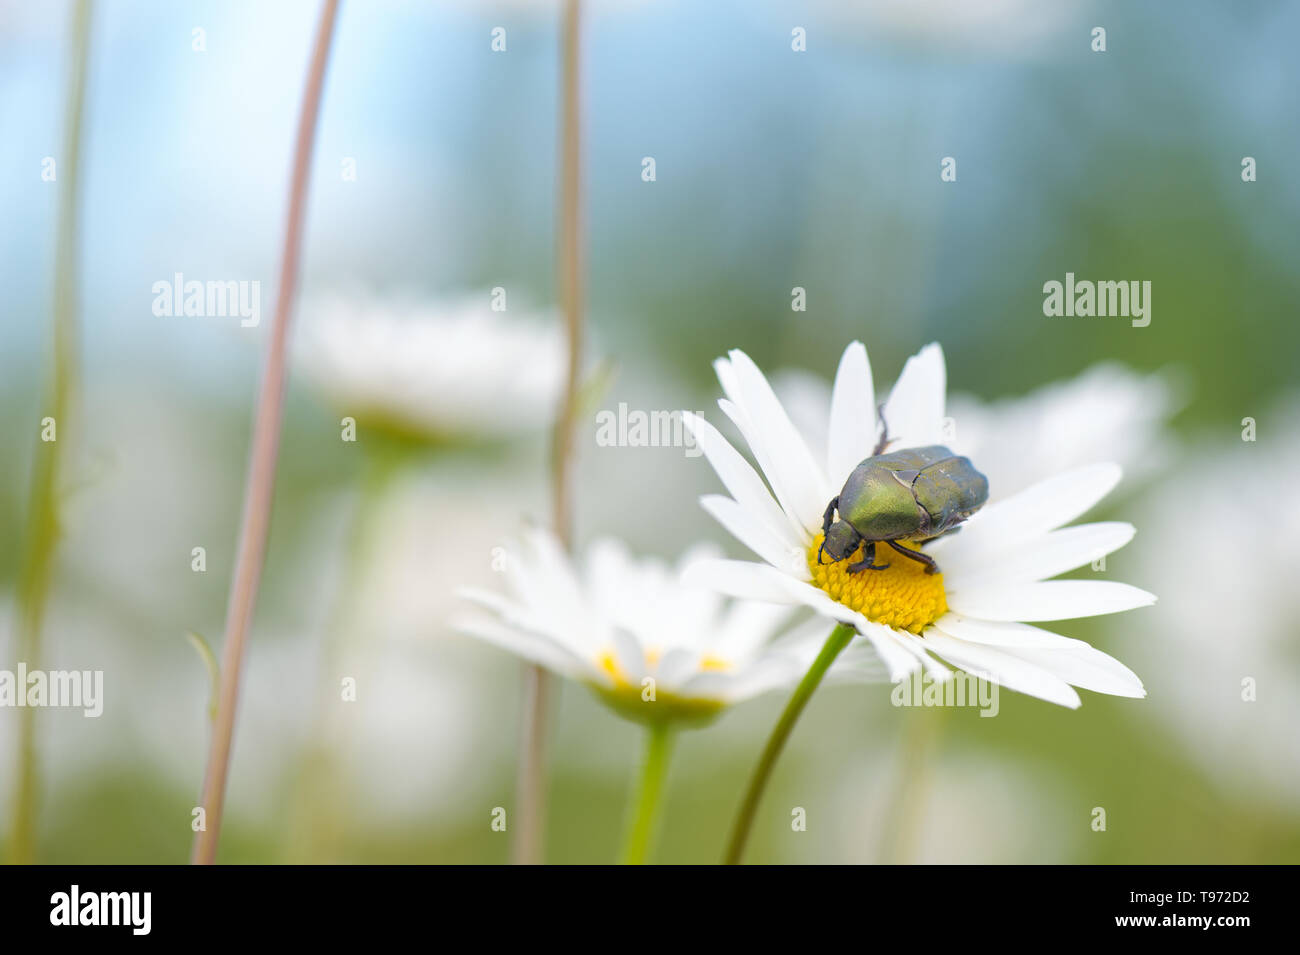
pixel 916 493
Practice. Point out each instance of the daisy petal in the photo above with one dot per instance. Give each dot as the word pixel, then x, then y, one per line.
pixel 1049 600
pixel 1002 634
pixel 860 663
pixel 735 687
pixel 727 378
pixel 540 625
pixel 534 647
pixel 760 582
pixel 738 476
pixel 788 463
pixel 804 642
pixel 543 579
pixel 1045 506
pixel 913 414
pixel 1089 668
pixel 754 440
pixel 744 628
pixel 853 414
pixel 677 664
pixel 746 528
pixel 899 659
pixel 917 646
pixel 1004 668
pixel 1046 556
pixel 744 579
pixel 608 574
pixel 628 651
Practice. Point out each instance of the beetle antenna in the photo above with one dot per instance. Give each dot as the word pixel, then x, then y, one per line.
pixel 883 442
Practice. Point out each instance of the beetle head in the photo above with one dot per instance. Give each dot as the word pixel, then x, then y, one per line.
pixel 841 541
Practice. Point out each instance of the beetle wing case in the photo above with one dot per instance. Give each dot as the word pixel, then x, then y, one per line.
pixel 916 493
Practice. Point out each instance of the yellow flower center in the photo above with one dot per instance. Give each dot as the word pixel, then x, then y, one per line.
pixel 609 664
pixel 902 596
pixel 647 702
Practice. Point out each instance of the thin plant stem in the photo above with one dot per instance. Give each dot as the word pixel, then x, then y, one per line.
pixel 531 784
pixel 644 822
pixel 42 531
pixel 907 808
pixel 320 799
pixel 260 486
pixel 840 638
pixel 570 269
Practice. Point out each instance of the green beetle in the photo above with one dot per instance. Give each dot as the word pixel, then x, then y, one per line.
pixel 916 494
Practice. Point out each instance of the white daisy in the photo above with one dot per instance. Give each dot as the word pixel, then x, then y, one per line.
pixel 994 582
pixel 433 372
pixel 652 648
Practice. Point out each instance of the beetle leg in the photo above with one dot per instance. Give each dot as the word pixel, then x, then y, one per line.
pixel 868 561
pixel 826 524
pixel 930 566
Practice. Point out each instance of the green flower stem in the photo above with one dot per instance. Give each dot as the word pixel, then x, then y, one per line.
pixel 840 638
pixel 320 820
pixel 921 740
pixel 42 531
pixel 649 794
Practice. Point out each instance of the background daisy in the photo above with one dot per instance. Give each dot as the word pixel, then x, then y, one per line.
pixel 622 625
pixel 654 650
pixel 1230 689
pixel 1109 413
pixel 446 370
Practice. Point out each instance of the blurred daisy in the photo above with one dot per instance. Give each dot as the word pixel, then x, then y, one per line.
pixel 652 648
pixel 976 614
pixel 1110 412
pixel 433 372
pixel 408 375
pixel 655 651
pixel 1229 686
